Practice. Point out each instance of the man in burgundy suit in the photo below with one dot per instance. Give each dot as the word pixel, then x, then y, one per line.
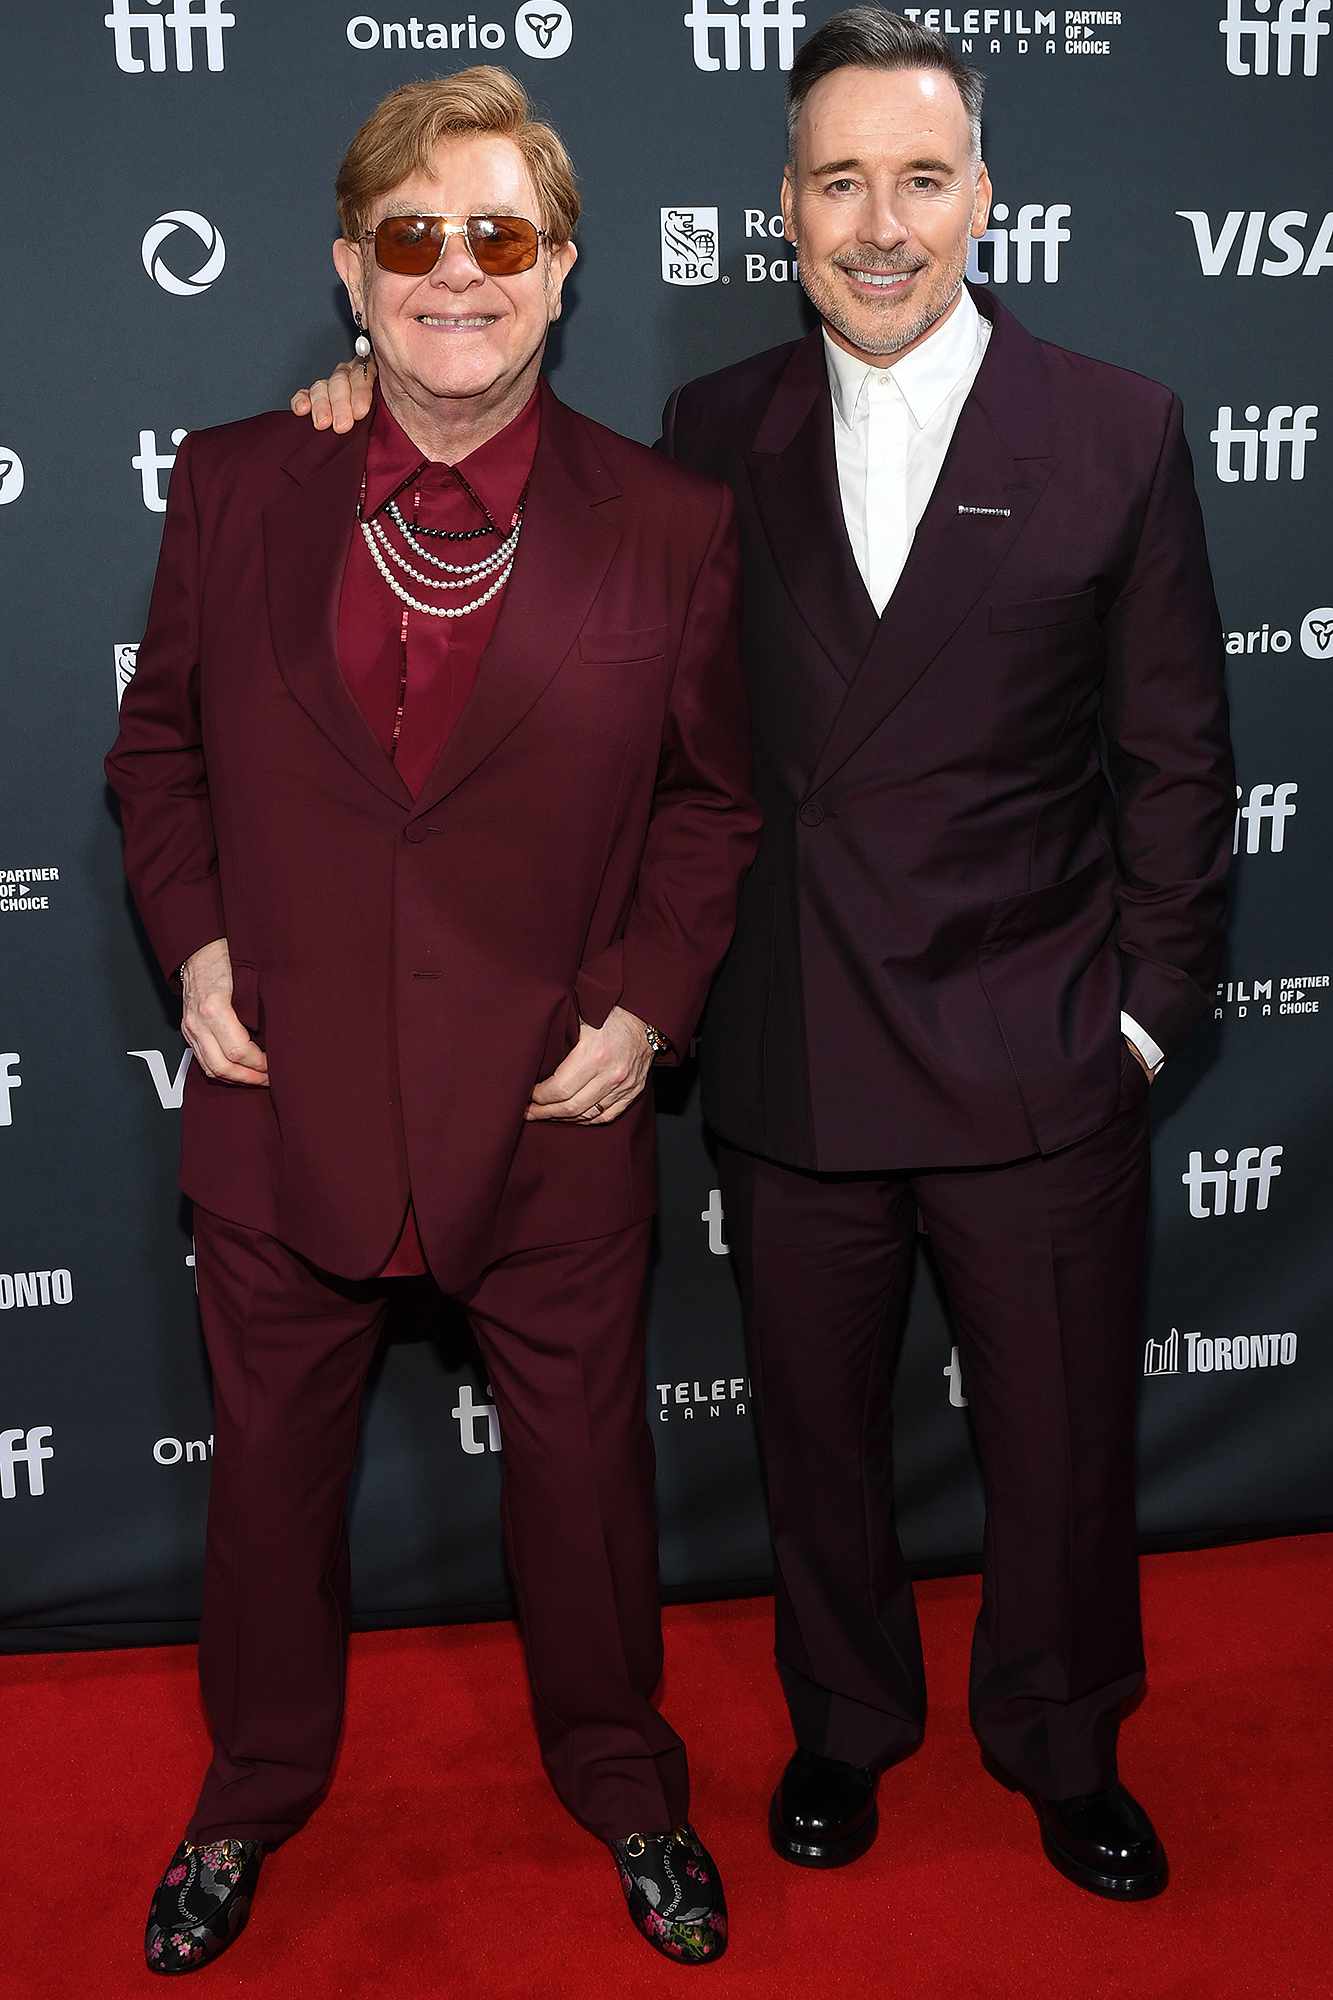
pixel 986 675
pixel 990 735
pixel 434 786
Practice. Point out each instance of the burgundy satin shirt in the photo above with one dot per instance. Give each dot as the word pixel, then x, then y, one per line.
pixel 409 674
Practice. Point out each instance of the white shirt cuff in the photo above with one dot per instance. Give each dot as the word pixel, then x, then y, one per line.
pixel 1143 1042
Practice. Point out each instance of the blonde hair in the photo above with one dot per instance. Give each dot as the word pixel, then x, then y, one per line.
pixel 400 136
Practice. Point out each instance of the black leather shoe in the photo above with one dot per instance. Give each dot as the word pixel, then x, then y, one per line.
pixel 823 1813
pixel 1104 1841
pixel 674 1893
pixel 201 1904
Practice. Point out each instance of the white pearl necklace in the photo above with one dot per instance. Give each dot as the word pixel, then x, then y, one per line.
pixel 486 563
pixel 413 603
pixel 478 571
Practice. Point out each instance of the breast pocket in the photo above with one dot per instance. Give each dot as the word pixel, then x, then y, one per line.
pixel 1038 613
pixel 647 642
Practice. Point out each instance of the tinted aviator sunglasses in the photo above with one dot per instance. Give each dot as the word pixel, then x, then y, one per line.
pixel 411 245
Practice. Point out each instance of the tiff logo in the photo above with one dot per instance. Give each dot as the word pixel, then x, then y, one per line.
pixel 1303 21
pixel 1268 806
pixel 1215 246
pixel 25 1448
pixel 142 28
pixel 1254 1167
pixel 1285 428
pixel 712 20
pixel 953 1375
pixel 150 464
pixel 1162 1357
pixel 1034 228
pixel 469 1414
pixel 713 1217
pixel 170 1089
pixel 10 1081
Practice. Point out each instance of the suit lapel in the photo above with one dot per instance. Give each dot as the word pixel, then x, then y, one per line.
pixel 999 459
pixel 306 536
pixel 794 476
pixel 571 528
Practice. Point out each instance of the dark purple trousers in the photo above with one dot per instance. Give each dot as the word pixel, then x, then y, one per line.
pixel 561 1332
pixel 1042 1263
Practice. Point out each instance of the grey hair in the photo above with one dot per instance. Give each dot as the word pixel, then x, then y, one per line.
pixel 873 38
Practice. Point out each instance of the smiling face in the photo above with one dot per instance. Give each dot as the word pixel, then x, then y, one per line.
pixel 881 200
pixel 456 333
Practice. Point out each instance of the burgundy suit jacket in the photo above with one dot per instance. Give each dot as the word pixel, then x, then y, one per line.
pixel 993 817
pixel 414 967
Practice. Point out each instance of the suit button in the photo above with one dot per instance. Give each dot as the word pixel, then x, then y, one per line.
pixel 812 813
pixel 416 830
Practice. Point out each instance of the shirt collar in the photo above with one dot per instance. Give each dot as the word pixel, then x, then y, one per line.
pixel 497 471
pixel 925 377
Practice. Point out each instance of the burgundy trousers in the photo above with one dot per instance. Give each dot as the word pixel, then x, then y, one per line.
pixel 561 1332
pixel 1042 1264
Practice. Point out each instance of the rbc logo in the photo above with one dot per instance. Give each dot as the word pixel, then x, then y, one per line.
pixel 689 246
pixel 1285 429
pixel 712 21
pixel 1254 1167
pixel 155 264
pixel 1034 226
pixel 1268 806
pixel 1303 21
pixel 141 33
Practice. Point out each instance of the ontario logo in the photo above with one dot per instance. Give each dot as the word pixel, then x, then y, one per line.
pixel 689 246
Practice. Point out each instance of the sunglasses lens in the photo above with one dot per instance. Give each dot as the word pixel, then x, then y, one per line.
pixel 408 244
pixel 503 245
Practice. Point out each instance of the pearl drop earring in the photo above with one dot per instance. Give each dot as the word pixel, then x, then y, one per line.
pixel 362 348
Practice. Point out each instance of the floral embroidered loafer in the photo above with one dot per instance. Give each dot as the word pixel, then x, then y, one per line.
pixel 674 1893
pixel 201 1904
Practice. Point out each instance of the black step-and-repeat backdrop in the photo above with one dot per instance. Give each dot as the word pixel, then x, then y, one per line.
pixel 1163 200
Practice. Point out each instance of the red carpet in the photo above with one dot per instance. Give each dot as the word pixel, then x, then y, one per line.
pixel 442 1865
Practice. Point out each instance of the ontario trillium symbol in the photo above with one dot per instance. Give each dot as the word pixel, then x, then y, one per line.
pixel 1322 629
pixel 543 26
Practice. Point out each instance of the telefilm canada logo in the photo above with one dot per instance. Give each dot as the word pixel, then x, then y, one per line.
pixel 1024 31
pixel 542 29
pixel 683 1402
pixel 30 1451
pixel 26 891
pixel 180 284
pixel 1274 37
pixel 1210 1354
pixel 1286 997
pixel 156 37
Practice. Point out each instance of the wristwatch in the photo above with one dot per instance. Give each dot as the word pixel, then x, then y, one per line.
pixel 659 1044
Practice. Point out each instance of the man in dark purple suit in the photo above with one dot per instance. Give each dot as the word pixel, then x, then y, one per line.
pixel 991 747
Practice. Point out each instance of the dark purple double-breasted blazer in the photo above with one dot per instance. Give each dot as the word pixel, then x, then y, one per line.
pixel 993 817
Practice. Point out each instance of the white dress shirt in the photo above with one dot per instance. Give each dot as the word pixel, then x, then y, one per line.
pixel 892 427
